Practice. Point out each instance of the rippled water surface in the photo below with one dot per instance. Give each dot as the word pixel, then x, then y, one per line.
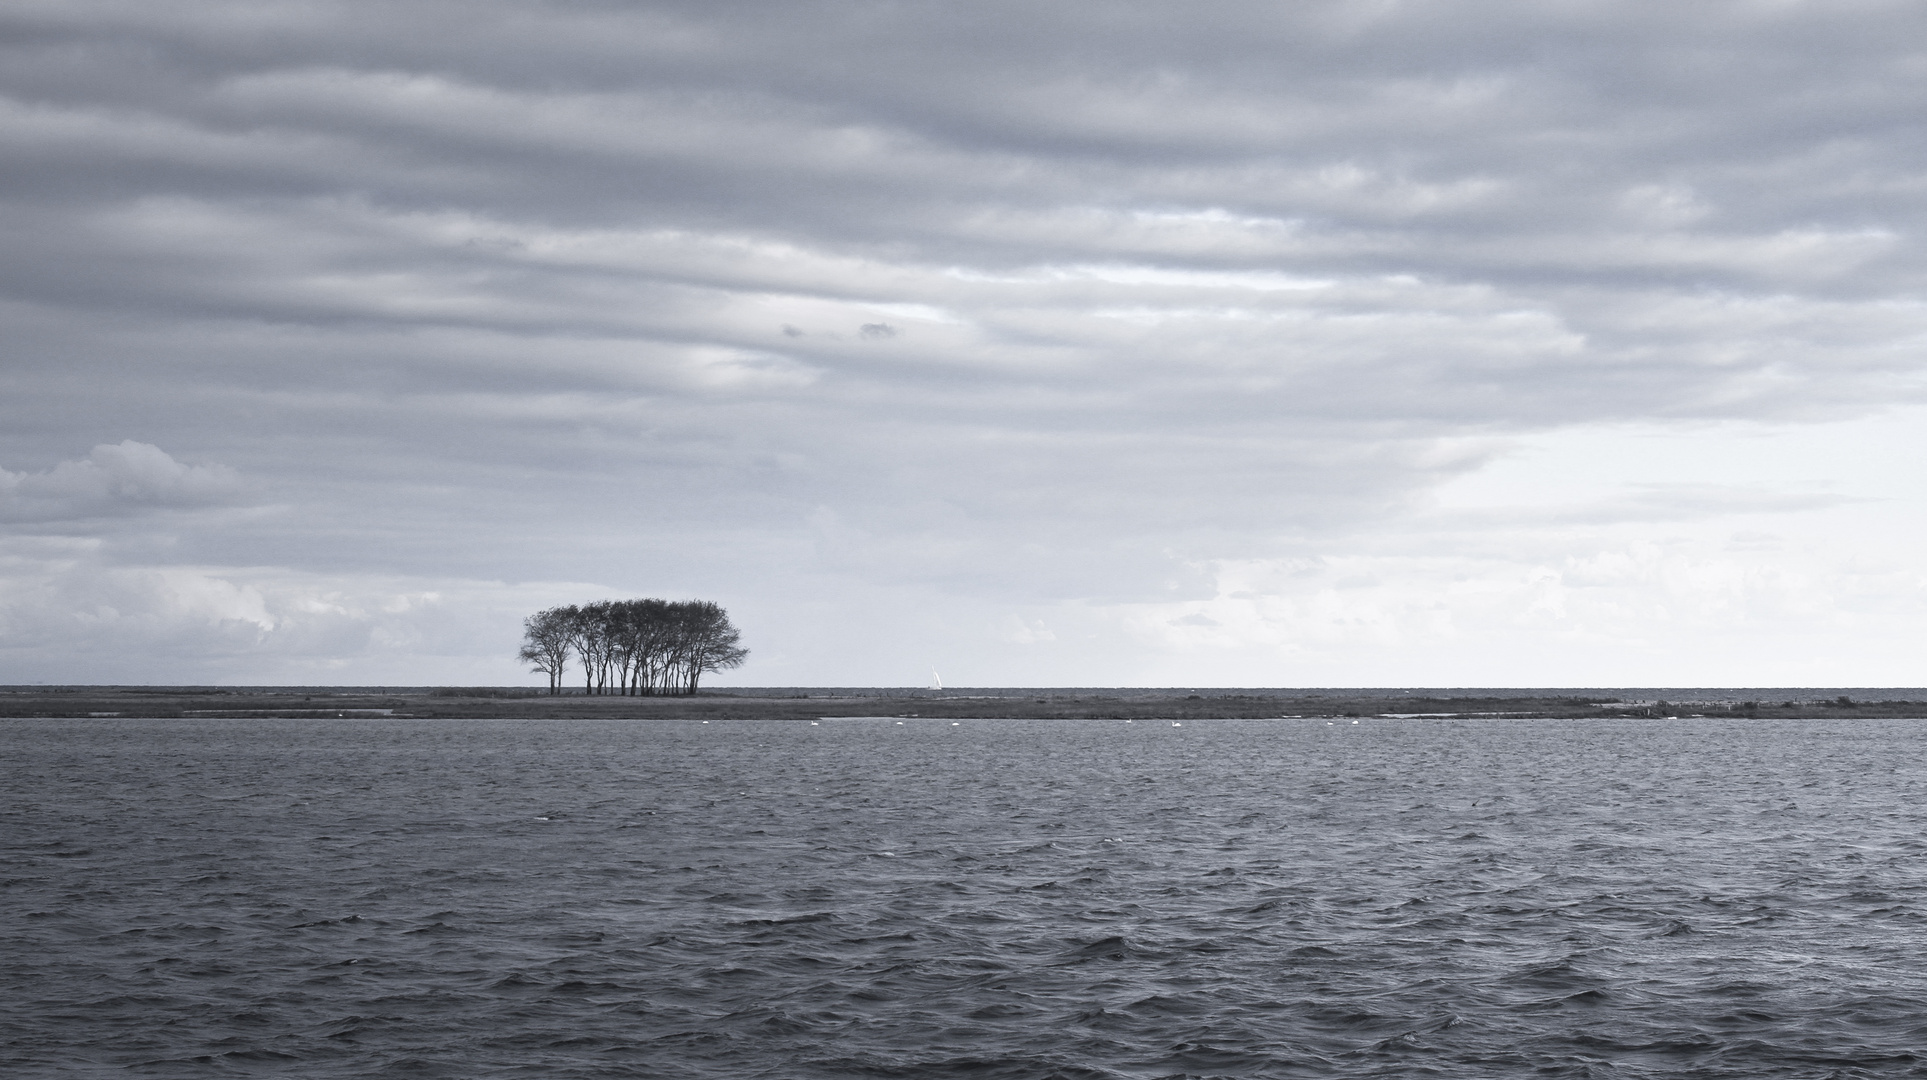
pixel 1023 899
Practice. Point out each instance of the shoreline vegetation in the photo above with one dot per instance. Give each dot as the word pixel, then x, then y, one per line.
pixel 804 703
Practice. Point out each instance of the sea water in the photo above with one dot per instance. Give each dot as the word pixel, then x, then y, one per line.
pixel 988 899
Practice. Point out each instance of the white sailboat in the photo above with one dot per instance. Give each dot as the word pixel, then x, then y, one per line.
pixel 936 681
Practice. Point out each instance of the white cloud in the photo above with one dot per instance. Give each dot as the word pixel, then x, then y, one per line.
pixel 116 479
pixel 73 616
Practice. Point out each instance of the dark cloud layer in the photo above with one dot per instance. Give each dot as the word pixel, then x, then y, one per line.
pixel 826 307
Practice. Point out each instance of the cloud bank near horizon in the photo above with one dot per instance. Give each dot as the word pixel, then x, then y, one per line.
pixel 1097 344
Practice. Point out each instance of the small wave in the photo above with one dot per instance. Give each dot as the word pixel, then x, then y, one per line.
pixel 790 920
pixel 437 928
pixel 987 1067
pixel 1164 1005
pixel 1115 947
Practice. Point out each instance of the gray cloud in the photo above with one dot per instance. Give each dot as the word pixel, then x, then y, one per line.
pixel 984 302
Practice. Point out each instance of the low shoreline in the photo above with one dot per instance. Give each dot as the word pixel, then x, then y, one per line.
pixel 481 703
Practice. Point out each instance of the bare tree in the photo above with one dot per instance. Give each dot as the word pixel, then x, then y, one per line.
pixel 546 641
pixel 594 644
pixel 711 642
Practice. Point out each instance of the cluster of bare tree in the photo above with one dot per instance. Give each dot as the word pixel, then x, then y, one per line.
pixel 641 647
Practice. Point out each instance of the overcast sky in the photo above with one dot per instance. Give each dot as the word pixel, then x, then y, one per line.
pixel 1099 343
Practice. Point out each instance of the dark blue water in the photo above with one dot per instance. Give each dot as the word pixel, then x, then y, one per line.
pixel 1020 899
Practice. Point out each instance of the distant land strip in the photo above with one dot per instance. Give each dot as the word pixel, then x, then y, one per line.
pixel 806 703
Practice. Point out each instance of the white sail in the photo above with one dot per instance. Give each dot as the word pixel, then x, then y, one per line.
pixel 936 681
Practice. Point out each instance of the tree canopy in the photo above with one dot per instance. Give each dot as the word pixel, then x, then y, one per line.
pixel 632 647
